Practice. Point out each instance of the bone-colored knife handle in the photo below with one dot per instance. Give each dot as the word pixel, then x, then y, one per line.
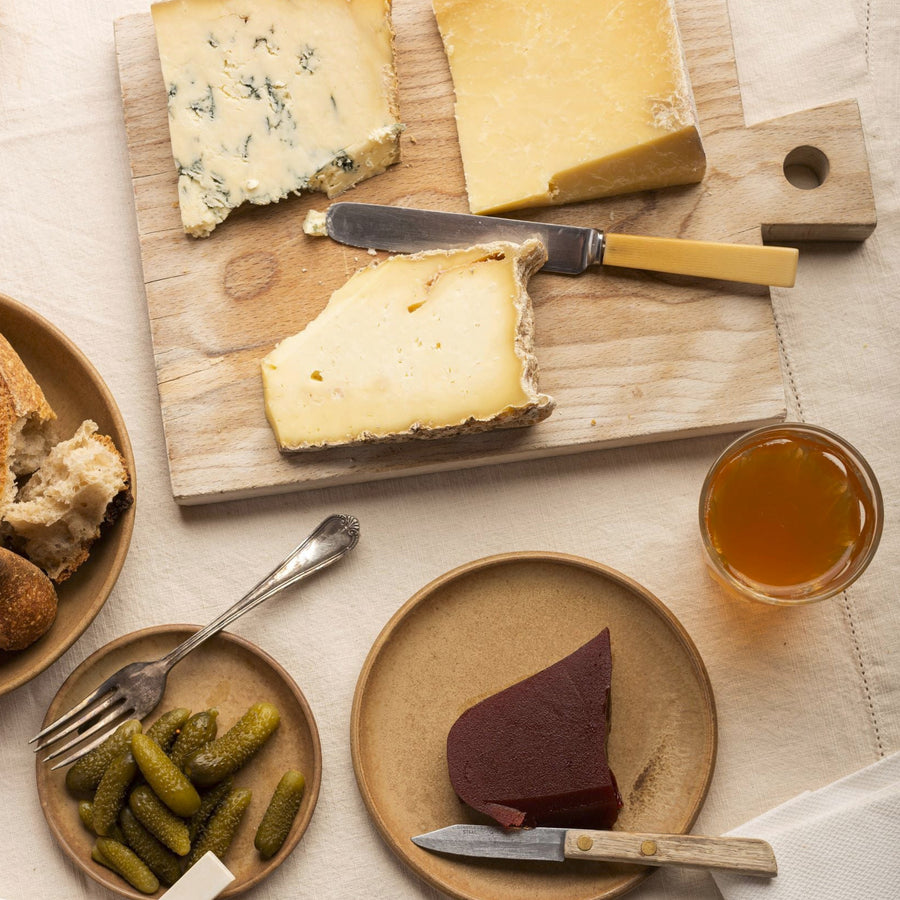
pixel 747 855
pixel 775 266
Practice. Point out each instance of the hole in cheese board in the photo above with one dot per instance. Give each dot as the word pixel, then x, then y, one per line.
pixel 806 167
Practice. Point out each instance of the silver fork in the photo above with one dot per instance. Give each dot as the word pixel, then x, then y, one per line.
pixel 136 689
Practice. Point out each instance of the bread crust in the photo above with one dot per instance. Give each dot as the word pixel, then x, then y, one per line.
pixel 22 402
pixel 28 602
pixel 18 384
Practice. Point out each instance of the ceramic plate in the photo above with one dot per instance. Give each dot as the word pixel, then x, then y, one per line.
pixel 493 622
pixel 230 674
pixel 76 392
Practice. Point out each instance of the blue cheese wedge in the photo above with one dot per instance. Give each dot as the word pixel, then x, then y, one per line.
pixel 269 98
pixel 429 345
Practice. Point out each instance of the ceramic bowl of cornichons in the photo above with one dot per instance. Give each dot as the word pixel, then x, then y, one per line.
pixel 228 675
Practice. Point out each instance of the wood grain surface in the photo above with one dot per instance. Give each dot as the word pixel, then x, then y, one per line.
pixel 748 856
pixel 629 356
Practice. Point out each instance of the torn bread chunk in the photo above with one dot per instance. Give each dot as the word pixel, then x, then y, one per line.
pixel 26 421
pixel 272 97
pixel 423 346
pixel 81 484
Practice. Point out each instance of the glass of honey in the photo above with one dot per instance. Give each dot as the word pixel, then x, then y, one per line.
pixel 790 514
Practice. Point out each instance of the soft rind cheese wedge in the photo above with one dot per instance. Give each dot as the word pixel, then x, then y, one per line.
pixel 422 346
pixel 272 97
pixel 558 102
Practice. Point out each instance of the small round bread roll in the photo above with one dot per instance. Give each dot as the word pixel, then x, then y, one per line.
pixel 27 602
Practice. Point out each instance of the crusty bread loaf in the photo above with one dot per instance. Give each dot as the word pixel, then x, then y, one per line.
pixel 81 484
pixel 25 422
pixel 27 602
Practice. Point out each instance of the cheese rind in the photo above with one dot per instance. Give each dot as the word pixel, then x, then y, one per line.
pixel 421 346
pixel 269 98
pixel 566 101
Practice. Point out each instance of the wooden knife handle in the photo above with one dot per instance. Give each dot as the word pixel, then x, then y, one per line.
pixel 776 266
pixel 747 855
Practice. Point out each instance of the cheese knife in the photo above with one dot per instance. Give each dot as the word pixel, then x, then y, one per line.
pixel 570 249
pixel 749 856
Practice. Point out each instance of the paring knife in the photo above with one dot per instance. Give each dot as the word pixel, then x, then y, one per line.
pixel 746 855
pixel 570 250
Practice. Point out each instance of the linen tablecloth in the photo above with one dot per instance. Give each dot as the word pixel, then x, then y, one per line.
pixel 804 696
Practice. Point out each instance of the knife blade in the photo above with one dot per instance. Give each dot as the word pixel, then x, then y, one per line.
pixel 747 855
pixel 571 249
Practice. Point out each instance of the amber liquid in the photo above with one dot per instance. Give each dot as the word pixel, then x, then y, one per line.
pixel 788 512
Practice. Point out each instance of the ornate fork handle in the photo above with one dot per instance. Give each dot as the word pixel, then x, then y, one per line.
pixel 331 540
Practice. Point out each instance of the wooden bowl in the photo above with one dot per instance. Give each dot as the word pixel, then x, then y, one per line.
pixel 226 672
pixel 76 392
pixel 486 625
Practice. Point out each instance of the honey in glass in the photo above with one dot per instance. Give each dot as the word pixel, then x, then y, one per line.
pixel 790 514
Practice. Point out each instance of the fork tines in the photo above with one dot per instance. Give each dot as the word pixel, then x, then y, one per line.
pixel 95 717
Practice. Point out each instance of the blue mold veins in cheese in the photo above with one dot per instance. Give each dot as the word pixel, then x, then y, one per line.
pixel 272 97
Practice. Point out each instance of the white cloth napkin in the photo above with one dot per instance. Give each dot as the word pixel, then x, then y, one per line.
pixel 835 843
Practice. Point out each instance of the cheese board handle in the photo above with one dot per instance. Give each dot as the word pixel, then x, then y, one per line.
pixel 749 856
pixel 774 266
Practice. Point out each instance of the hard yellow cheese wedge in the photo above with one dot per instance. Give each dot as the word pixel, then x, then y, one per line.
pixel 569 100
pixel 271 97
pixel 419 346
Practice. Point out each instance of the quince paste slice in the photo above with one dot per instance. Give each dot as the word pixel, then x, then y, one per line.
pixel 535 753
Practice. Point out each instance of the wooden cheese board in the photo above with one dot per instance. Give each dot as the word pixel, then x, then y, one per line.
pixel 629 357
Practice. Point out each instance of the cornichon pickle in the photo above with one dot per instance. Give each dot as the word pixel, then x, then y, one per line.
pixel 166 779
pixel 84 776
pixel 159 820
pixel 111 792
pixel 220 829
pixel 209 800
pixel 279 815
pixel 120 859
pixel 198 731
pixel 86 814
pixel 225 755
pixel 165 729
pixel 160 859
